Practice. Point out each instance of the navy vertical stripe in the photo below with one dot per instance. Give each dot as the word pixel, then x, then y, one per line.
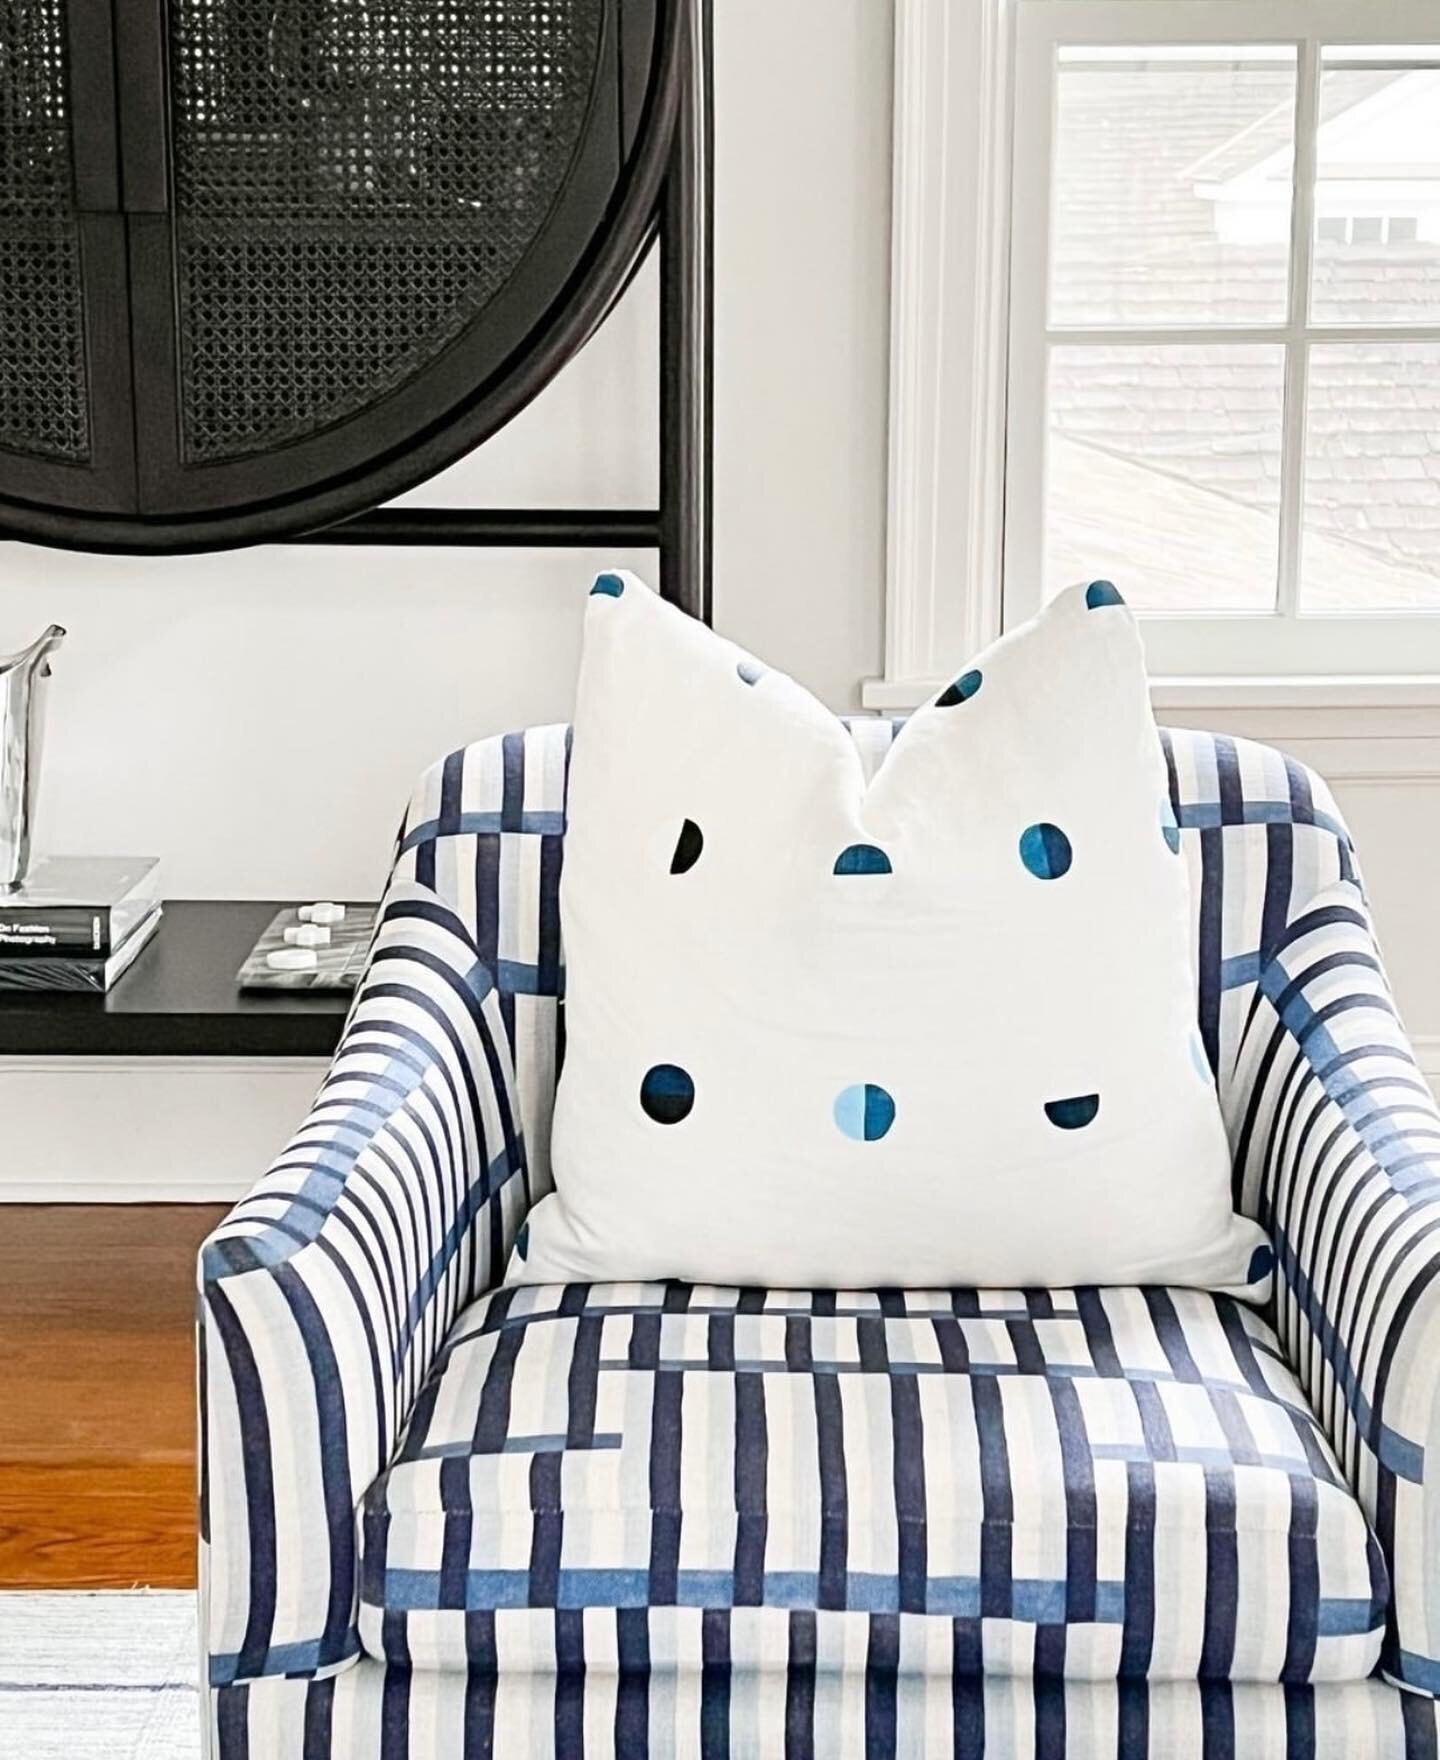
pixel 1050 1714
pixel 1078 1466
pixel 232 1723
pixel 1138 1629
pixel 395 1714
pixel 1302 1631
pixel 665 1487
pixel 569 1681
pixel 834 1497
pixel 1217 1717
pixel 910 1510
pixel 632 1691
pixel 714 1685
pixel 751 1464
pixel 800 1688
pixel 254 1425
pixel 882 1667
pixel 547 1528
pixel 512 797
pixel 996 1500
pixel 458 1532
pixel 319 1711
pixel 1222 1575
pixel 582 1384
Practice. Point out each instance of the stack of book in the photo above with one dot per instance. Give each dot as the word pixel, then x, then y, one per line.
pixel 78 922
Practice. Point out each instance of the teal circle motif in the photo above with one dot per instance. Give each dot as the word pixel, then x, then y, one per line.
pixel 961 691
pixel 667 1093
pixel 864 1112
pixel 1045 851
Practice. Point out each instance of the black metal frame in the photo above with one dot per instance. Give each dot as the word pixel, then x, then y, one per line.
pixel 681 527
pixel 667 199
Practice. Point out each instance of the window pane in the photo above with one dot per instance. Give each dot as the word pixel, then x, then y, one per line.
pixel 1377 196
pixel 1163 473
pixel 1372 478
pixel 1171 196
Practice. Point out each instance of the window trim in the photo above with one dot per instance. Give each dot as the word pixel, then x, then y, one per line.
pixel 963 354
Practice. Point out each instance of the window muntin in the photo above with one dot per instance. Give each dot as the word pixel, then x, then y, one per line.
pixel 1226 390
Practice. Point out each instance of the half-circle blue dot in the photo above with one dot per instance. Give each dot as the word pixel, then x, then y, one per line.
pixel 864 1112
pixel 667 1093
pixel 688 846
pixel 961 691
pixel 609 585
pixel 1100 593
pixel 1045 851
pixel 750 671
pixel 862 858
pixel 1262 1263
pixel 1074 1113
pixel 1199 1058
pixel 522 1243
pixel 1169 826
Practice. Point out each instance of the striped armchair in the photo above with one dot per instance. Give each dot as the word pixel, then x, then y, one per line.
pixel 442 1518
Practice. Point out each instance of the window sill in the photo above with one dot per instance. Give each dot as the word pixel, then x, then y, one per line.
pixel 1376 728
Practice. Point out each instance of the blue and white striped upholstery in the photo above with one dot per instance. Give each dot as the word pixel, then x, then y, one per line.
pixel 1089 1484
pixel 330 1294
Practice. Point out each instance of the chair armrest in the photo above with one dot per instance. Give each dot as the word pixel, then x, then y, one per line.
pixel 326 1293
pixel 1338 1148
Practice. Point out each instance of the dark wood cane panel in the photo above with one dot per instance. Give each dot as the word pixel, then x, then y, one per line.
pixel 353 185
pixel 44 402
pixel 264 264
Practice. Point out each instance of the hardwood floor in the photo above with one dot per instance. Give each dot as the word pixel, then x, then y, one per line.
pixel 97 1396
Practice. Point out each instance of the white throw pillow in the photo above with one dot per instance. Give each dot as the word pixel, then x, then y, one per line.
pixel 934 1029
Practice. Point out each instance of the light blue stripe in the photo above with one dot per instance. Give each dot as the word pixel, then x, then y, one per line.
pixel 1420 1671
pixel 554 1442
pixel 1341 1618
pixel 534 824
pixel 1210 816
pixel 299 1658
pixel 516 978
pixel 1035 1601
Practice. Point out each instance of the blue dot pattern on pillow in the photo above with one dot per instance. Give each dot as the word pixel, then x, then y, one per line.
pixel 862 858
pixel 667 1093
pixel 688 846
pixel 961 691
pixel 1262 1263
pixel 1074 1113
pixel 864 1112
pixel 609 586
pixel 750 671
pixel 1100 593
pixel 1045 851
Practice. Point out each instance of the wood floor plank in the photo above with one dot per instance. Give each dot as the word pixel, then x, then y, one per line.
pixel 97 1393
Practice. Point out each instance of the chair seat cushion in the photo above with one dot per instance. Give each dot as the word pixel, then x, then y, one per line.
pixel 1098 1484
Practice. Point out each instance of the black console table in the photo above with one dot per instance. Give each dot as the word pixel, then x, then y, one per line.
pixel 180 999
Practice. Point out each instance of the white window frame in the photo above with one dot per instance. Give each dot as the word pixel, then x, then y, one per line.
pixel 974 98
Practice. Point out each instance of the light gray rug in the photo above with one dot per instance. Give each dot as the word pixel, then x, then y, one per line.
pixel 98 1677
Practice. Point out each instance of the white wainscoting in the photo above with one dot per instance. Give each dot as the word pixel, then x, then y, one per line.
pixel 104 1130
pixel 177 1131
